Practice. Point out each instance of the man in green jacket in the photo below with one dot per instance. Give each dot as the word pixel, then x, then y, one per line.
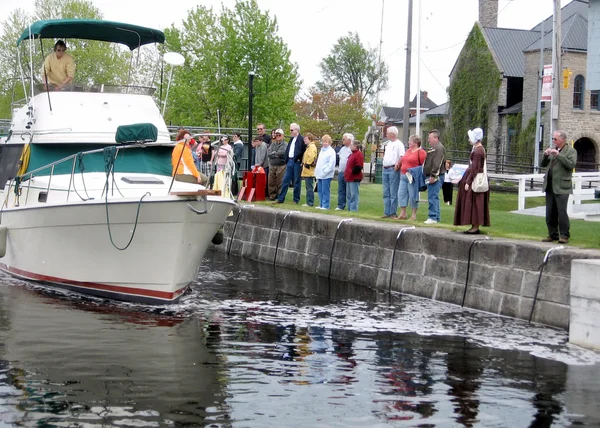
pixel 558 185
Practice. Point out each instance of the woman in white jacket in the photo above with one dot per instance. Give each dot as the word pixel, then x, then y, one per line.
pixel 324 172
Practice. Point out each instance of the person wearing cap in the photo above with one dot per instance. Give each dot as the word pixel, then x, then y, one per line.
pixel 277 159
pixel 434 169
pixel 293 155
pixel 472 207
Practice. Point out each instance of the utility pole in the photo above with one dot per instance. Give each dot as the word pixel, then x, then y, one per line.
pixel 418 117
pixel 538 119
pixel 379 61
pixel 405 118
pixel 556 69
pixel 250 105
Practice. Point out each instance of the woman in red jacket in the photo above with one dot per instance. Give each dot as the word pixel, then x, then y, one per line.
pixel 353 175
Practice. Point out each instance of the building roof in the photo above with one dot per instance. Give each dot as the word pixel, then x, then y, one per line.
pixel 574 34
pixel 396 114
pixel 508 45
pixel 576 6
pixel 439 111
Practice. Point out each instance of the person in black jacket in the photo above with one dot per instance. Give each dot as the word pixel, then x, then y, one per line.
pixel 293 156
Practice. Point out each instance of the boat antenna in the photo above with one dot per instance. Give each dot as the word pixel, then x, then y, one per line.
pixel 31 108
pixel 45 76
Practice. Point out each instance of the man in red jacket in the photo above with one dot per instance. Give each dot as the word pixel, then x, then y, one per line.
pixel 353 174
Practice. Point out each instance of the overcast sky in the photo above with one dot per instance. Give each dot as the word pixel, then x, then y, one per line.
pixel 311 28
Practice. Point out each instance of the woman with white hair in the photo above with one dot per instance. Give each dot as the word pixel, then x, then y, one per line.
pixel 473 207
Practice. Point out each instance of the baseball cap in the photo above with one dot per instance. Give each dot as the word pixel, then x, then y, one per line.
pixel 279 131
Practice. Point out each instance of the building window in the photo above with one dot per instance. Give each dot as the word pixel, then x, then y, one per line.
pixel 594 100
pixel 578 92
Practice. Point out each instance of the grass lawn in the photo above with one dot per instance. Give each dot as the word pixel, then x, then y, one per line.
pixel 584 234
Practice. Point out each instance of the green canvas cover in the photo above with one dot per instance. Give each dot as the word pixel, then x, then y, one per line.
pixel 132 36
pixel 136 133
pixel 146 159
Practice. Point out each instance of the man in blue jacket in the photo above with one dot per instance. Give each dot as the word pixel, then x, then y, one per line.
pixel 293 156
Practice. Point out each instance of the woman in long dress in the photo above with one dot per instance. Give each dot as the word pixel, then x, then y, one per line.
pixel 471 207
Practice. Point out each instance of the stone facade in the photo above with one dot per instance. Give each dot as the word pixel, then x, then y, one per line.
pixel 577 123
pixel 488 13
pixel 429 262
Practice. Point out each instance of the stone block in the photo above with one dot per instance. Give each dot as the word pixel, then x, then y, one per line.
pixel 287 258
pixel 236 247
pixel 244 232
pixel 418 285
pixel 481 276
pixel 449 292
pixel 266 254
pixel 452 247
pixel 554 289
pixel 529 256
pixel 323 266
pixel 258 216
pixel 368 275
pixel 410 241
pixel 397 282
pixel 530 280
pixel 383 278
pixel 319 246
pixel 585 279
pixel 461 272
pixel 441 268
pixel 494 253
pixel 296 242
pixel 479 298
pixel 584 328
pixel 409 262
pixel 508 280
pixel 262 236
pixel 553 314
pixel 511 306
pixel 496 302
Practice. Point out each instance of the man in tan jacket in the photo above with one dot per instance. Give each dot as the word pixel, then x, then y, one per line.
pixel 59 68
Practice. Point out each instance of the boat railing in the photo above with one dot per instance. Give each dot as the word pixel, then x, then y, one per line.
pixel 16 181
pixel 102 88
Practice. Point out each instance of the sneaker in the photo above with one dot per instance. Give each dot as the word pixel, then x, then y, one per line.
pixel 319 208
pixel 430 221
pixel 306 205
pixel 339 209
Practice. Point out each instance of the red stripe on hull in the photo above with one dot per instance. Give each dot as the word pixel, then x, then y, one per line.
pixel 163 295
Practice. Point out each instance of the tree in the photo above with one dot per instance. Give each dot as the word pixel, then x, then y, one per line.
pixel 97 62
pixel 353 69
pixel 331 113
pixel 220 50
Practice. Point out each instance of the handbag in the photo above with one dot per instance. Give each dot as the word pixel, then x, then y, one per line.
pixel 480 184
pixel 422 181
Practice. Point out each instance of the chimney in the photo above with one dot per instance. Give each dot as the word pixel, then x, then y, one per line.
pixel 424 95
pixel 488 13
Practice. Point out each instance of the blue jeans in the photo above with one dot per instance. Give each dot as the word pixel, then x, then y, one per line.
pixel 309 182
pixel 353 196
pixel 324 191
pixel 292 174
pixel 341 190
pixel 407 193
pixel 391 181
pixel 433 197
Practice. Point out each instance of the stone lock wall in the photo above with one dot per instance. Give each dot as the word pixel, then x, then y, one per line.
pixel 429 262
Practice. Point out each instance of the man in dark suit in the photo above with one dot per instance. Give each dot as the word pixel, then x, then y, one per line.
pixel 558 185
pixel 293 155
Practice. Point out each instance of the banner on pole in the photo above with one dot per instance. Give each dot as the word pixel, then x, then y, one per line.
pixel 547 83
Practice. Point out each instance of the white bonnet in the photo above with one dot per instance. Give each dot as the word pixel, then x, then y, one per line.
pixel 475 135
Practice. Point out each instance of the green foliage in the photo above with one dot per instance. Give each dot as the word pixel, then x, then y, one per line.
pixel 97 62
pixel 331 113
pixel 526 139
pixel 353 69
pixel 220 50
pixel 473 91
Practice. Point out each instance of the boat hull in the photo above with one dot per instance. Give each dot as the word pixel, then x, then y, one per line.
pixel 70 246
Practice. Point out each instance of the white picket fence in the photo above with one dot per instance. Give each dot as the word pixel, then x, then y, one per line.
pixel 582 191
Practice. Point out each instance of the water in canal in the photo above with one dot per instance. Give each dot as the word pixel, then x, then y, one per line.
pixel 254 347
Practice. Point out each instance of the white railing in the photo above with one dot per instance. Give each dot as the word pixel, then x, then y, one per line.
pixel 579 192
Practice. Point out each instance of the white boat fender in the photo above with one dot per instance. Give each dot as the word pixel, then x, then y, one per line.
pixel 3 235
pixel 218 238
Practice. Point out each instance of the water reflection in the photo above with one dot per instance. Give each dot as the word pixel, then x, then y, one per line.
pixel 254 347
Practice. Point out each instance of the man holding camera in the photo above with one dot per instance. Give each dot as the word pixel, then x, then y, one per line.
pixel 558 185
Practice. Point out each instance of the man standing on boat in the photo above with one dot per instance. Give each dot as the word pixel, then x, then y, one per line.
pixel 59 68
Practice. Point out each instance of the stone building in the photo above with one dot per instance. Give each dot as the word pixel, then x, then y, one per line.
pixel 516 54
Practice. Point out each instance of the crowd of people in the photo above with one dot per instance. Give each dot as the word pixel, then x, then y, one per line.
pixel 406 171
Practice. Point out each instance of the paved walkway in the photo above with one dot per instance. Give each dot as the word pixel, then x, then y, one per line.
pixel 589 212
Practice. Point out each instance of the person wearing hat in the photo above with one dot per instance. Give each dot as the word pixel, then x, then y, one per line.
pixel 277 159
pixel 471 207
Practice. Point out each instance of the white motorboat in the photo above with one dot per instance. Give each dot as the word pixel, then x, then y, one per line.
pixel 89 202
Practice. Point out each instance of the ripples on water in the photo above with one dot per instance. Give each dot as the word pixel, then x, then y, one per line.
pixel 252 347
